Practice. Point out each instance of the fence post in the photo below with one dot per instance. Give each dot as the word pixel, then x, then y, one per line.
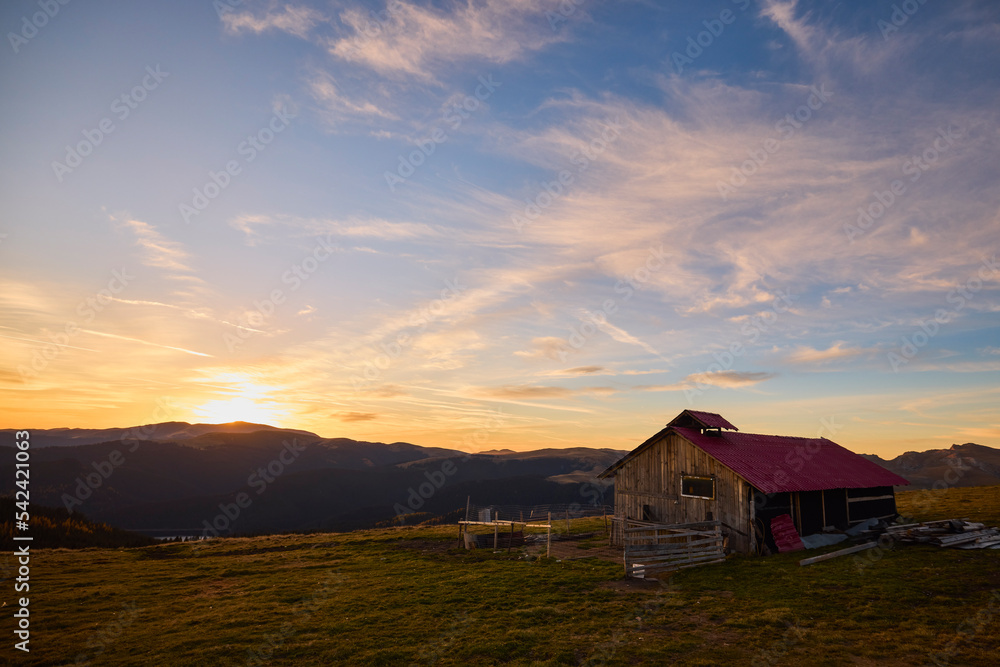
pixel 548 537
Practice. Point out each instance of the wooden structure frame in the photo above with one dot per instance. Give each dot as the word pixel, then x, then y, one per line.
pixel 497 523
pixel 755 479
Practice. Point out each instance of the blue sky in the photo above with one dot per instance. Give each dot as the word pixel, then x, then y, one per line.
pixel 504 224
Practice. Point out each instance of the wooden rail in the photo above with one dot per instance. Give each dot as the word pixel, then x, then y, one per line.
pixel 656 548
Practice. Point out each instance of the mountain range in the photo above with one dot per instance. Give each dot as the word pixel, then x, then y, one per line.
pixel 179 478
pixel 959 465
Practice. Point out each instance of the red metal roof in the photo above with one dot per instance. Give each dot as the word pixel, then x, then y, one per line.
pixel 776 463
pixel 706 419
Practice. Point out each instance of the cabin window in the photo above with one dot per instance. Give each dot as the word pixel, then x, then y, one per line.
pixel 698 487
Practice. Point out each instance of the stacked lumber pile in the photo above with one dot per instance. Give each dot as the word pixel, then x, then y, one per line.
pixel 960 533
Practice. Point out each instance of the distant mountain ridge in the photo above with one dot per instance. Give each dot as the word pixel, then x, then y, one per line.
pixel 959 465
pixel 185 475
pixel 68 437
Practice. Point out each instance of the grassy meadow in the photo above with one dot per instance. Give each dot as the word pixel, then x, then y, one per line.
pixel 408 596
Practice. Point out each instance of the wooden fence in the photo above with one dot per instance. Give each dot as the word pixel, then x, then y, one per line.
pixel 654 548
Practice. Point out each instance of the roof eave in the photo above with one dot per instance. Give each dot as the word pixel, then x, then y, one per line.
pixel 635 452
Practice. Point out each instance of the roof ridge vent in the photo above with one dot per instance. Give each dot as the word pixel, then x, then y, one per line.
pixel 701 420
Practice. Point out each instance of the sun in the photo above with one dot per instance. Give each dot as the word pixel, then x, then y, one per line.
pixel 240 409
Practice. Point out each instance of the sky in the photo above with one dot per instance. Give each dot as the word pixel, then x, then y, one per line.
pixel 502 223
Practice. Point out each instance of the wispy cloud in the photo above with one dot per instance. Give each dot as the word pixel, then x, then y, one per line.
pixel 356 416
pixel 544 347
pixel 144 342
pixel 839 351
pixel 526 393
pixel 421 40
pixel 583 370
pixel 726 379
pixel 157 251
pixel 368 228
pixel 618 333
pixel 730 379
pixel 294 20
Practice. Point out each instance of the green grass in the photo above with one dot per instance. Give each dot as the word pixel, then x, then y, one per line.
pixel 407 596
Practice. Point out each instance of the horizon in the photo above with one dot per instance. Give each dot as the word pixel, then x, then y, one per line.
pixel 516 225
pixel 480 451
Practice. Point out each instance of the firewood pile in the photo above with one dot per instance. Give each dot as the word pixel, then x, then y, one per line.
pixel 960 533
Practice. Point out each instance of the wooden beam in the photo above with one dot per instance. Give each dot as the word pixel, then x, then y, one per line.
pixel 834 554
pixel 797 512
pixel 858 500
pixel 548 537
pixel 650 494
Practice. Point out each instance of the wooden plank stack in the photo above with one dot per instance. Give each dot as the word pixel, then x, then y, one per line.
pixel 960 533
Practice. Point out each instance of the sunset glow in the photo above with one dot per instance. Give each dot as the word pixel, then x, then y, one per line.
pixel 467 218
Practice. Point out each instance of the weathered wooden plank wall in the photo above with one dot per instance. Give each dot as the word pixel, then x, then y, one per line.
pixel 653 479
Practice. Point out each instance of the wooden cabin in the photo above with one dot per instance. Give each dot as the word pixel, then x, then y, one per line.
pixel 702 468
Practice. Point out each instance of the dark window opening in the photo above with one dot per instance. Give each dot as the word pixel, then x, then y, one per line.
pixel 698 487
